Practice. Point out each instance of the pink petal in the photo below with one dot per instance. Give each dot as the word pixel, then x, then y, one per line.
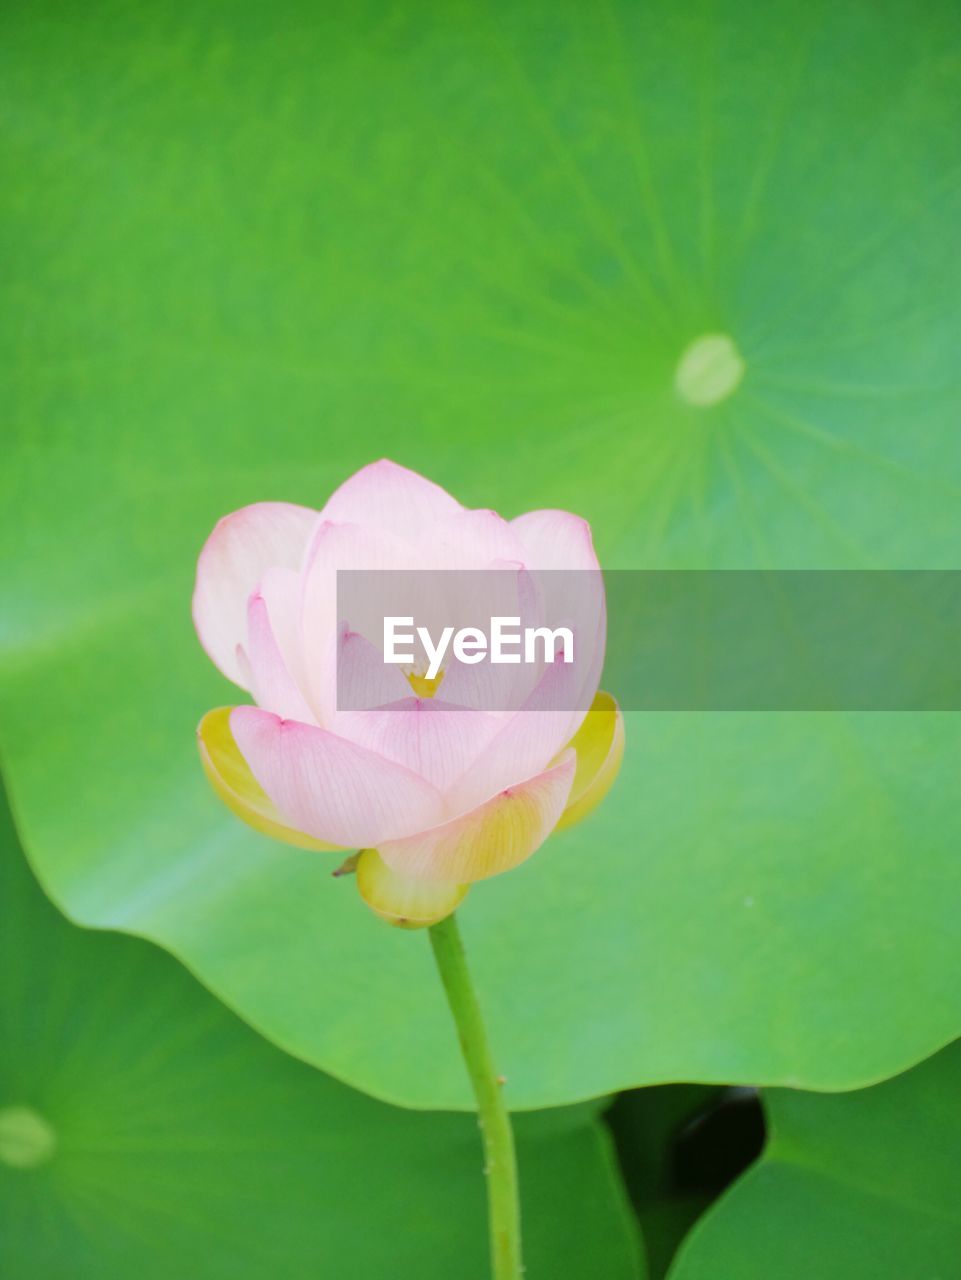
pixel 364 679
pixel 471 540
pixel 528 739
pixel 272 684
pixel 386 496
pixel 473 599
pixel 241 548
pixel 337 548
pixel 435 740
pixel 330 788
pixel 494 837
pixel 558 540
pixel 280 590
pixel 555 540
pixel 229 775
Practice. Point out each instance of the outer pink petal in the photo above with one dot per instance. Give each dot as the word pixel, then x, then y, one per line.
pixel 230 776
pixel 281 591
pixel 555 540
pixel 473 599
pixel 429 736
pixel 330 788
pixel 337 548
pixel 235 557
pixel 494 837
pixel 333 549
pixel 558 540
pixel 272 684
pixel 478 539
pixel 527 740
pixel 386 496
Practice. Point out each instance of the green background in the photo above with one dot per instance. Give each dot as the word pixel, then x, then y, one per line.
pixel 250 249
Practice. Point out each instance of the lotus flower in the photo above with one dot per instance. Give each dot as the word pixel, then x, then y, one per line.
pixel 435 793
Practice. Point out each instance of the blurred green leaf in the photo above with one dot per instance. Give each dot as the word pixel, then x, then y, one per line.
pixel 185 1145
pixel 862 1185
pixel 252 249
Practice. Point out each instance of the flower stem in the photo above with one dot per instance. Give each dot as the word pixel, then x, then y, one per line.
pixel 495 1123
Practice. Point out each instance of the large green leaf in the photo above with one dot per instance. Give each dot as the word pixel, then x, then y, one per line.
pixel 253 249
pixel 185 1145
pixel 862 1185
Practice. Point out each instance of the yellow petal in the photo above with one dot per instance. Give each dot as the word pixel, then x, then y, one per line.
pixel 599 744
pixel 230 777
pixel 496 836
pixel 403 900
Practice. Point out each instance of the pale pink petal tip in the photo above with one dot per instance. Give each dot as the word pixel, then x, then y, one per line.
pixel 239 551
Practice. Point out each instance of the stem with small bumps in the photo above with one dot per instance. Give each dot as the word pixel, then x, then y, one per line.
pixel 494 1119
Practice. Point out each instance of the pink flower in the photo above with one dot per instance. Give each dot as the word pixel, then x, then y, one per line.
pixel 436 795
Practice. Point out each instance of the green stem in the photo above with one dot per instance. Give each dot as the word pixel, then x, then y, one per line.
pixel 495 1123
